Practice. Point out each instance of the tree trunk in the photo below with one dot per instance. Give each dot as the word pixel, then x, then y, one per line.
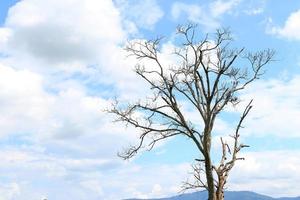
pixel 220 189
pixel 210 179
pixel 208 163
pixel 219 195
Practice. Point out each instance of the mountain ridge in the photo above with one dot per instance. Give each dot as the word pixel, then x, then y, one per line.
pixel 229 195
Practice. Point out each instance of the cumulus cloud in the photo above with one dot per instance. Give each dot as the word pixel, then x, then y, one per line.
pixel 290 29
pixel 37 171
pixel 5 33
pixel 23 100
pixel 57 120
pixel 63 31
pixel 272 173
pixel 34 101
pixel 42 37
pixel 83 178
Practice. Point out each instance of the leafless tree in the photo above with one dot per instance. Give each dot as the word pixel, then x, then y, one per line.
pixel 206 77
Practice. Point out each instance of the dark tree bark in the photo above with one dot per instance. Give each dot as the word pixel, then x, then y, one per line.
pixel 207 77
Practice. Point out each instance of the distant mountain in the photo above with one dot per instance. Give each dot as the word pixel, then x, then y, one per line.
pixel 241 195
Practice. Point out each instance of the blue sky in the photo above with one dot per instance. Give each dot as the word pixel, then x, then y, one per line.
pixel 62 63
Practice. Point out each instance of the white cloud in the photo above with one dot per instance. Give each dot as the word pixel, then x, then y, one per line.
pixel 254 7
pixel 275 108
pixel 57 120
pixel 254 11
pixel 9 191
pixel 53 110
pixel 194 13
pixel 158 179
pixel 93 185
pixel 23 101
pixel 40 174
pixel 144 14
pixel 272 173
pixel 207 15
pixel 35 172
pixel 63 32
pixel 5 33
pixel 156 190
pixel 42 37
pixel 276 176
pixel 221 7
pixel 290 29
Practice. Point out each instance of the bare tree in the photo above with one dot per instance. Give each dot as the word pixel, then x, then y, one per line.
pixel 206 77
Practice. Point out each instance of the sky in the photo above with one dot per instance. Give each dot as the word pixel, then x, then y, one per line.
pixel 63 62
